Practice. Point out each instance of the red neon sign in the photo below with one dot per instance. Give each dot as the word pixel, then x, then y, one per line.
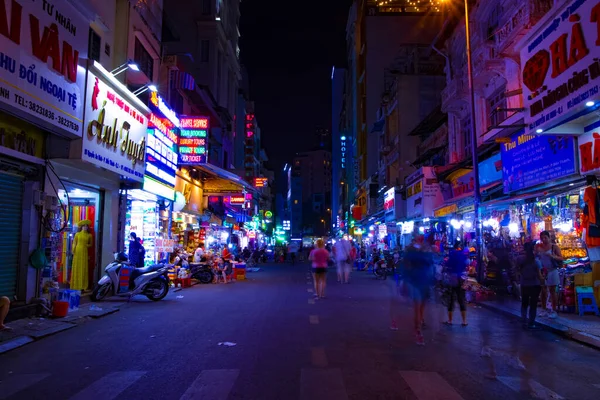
pixel 163 125
pixel 197 123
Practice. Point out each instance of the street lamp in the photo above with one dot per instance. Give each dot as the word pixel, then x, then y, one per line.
pixel 474 155
pixel 123 67
pixel 144 88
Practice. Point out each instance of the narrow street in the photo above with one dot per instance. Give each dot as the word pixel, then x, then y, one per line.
pixel 288 346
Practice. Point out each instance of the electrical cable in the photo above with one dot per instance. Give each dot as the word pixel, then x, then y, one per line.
pixel 46 220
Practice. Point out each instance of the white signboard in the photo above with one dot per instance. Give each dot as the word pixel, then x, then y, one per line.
pixel 560 66
pixel 114 131
pixel 423 193
pixel 41 45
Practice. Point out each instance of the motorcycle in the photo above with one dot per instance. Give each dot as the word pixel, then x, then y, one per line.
pixel 202 272
pixel 120 279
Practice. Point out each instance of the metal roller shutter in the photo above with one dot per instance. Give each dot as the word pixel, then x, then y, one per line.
pixel 11 203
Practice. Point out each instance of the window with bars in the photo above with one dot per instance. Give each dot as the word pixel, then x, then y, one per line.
pixel 143 59
pixel 94 45
pixel 466 136
pixel 497 105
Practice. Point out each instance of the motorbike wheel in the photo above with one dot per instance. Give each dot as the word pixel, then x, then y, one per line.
pixel 204 276
pixel 157 289
pixel 101 291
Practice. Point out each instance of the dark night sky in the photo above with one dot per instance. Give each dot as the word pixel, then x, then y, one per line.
pixel 288 49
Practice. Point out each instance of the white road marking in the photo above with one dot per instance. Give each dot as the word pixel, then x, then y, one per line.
pixel 429 385
pixel 311 301
pixel 17 382
pixel 213 384
pixel 318 357
pixel 109 386
pixel 597 385
pixel 313 319
pixel 322 384
pixel 309 290
pixel 540 391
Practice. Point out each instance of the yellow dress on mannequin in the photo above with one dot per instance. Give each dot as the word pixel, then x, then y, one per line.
pixel 81 244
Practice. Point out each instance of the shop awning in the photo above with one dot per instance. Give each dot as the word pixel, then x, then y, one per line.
pixel 434 120
pixel 225 175
pixel 428 154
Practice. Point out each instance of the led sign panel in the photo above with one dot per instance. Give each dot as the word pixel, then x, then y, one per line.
pixel 193 141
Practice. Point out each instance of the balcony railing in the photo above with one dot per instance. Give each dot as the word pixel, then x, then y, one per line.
pixel 524 17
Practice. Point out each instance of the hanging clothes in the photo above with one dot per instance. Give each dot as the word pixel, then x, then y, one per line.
pixel 81 245
pixel 590 218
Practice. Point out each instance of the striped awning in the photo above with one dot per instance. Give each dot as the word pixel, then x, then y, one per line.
pixel 182 80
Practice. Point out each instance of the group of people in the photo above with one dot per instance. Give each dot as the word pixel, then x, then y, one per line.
pixel 342 255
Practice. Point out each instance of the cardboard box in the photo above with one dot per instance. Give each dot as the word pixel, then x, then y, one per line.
pixel 584 279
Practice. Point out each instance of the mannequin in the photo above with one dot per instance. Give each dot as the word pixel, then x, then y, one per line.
pixel 79 268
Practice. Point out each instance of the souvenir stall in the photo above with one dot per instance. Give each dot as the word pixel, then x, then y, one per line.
pixel 187 232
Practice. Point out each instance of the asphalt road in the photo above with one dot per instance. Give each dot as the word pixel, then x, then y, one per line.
pixel 288 346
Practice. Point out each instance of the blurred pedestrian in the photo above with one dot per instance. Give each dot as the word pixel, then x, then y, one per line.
pixel 319 257
pixel 418 273
pixel 455 269
pixel 531 284
pixel 342 251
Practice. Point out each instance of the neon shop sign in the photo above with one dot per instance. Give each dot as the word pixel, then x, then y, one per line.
pixel 343 151
pixel 193 141
pixel 159 103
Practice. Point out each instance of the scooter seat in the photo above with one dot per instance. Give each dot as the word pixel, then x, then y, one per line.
pixel 145 270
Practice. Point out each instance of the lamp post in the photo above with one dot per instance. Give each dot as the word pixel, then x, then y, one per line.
pixel 474 155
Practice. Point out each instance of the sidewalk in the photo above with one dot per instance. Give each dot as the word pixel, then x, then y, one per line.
pixel 27 330
pixel 584 329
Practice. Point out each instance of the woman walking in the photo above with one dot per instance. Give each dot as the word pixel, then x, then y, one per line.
pixel 531 284
pixel 319 257
pixel 551 258
pixel 455 269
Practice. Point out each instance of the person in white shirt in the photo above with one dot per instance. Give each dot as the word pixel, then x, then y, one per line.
pixel 198 254
pixel 343 259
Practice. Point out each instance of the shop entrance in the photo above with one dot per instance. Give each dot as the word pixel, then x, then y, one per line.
pixel 77 246
pixel 11 203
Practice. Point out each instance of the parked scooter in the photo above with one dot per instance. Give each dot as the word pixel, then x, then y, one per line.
pixel 202 271
pixel 120 279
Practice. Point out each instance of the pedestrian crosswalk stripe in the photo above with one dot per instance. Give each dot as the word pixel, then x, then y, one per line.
pixel 213 384
pixel 429 385
pixel 539 390
pixel 109 386
pixel 15 383
pixel 322 384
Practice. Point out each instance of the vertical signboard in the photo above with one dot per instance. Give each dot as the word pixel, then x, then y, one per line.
pixel 114 131
pixel 561 69
pixel 41 44
pixel 193 140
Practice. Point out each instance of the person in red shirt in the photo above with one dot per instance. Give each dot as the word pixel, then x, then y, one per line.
pixel 319 257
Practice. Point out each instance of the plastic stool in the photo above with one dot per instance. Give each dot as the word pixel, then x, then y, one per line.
pixel 586 293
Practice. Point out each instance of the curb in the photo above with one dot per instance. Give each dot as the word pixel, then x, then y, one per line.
pixel 23 340
pixel 561 330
